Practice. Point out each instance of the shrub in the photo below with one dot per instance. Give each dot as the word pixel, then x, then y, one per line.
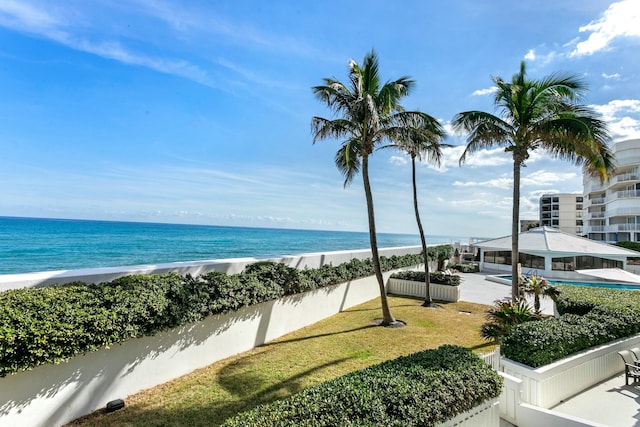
pixel 589 317
pixel 421 389
pixel 52 324
pixel 504 316
pixel 465 268
pixel 436 277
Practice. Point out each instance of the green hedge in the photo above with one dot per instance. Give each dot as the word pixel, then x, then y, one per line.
pixel 589 317
pixel 465 268
pixel 52 324
pixel 422 389
pixel 436 277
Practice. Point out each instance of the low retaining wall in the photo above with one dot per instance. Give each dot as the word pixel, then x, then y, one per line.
pixel 418 289
pixel 52 395
pixel 195 268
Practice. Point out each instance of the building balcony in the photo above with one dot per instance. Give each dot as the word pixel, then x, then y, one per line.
pixel 626 194
pixel 597 228
pixel 596 215
pixel 598 201
pixel 626 177
pixel 624 227
pixel 629 211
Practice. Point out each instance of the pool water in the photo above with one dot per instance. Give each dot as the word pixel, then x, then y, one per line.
pixel 609 285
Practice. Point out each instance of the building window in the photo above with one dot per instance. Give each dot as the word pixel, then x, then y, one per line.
pixel 578 207
pixel 579 222
pixel 556 200
pixel 498 257
pixel 555 222
pixel 532 261
pixel 583 263
pixel 579 200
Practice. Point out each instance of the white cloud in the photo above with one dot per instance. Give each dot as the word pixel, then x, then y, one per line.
pixel 544 178
pixel 398 160
pixel 482 92
pixel 619 20
pixel 503 183
pixel 531 55
pixel 622 116
pixel 615 76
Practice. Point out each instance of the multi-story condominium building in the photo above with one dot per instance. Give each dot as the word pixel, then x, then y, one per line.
pixel 612 208
pixel 562 211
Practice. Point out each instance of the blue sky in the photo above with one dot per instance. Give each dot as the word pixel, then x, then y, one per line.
pixel 199 112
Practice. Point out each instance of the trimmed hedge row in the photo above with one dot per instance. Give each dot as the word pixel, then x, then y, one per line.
pixel 421 389
pixel 589 317
pixel 465 268
pixel 436 277
pixel 52 324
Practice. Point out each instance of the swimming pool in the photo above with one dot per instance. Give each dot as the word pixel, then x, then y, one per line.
pixel 609 285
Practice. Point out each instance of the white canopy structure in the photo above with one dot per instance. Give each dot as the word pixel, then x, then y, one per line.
pixel 612 274
pixel 550 252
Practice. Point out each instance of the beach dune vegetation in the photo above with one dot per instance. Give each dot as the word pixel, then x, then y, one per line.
pixel 543 114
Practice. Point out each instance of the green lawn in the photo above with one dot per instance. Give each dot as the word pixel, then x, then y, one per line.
pixel 335 346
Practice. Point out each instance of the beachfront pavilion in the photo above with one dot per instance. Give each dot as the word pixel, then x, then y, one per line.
pixel 551 253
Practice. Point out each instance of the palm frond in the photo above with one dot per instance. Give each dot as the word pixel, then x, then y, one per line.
pixel 348 159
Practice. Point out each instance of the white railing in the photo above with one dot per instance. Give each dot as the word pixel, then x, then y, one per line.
pixel 625 227
pixel 597 228
pixel 598 201
pixel 492 358
pixel 624 194
pixel 630 176
pixel 594 215
pixel 629 211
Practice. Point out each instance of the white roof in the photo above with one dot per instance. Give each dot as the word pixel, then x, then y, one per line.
pixel 613 274
pixel 545 240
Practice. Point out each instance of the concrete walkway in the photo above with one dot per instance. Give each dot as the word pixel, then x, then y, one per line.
pixel 476 288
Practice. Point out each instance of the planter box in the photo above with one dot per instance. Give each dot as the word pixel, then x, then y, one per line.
pixel 486 414
pixel 56 394
pixel 418 289
pixel 547 385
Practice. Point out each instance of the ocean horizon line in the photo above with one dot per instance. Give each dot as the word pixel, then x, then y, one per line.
pixel 32 244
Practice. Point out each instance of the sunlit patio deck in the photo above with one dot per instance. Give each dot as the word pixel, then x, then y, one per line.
pixel 609 403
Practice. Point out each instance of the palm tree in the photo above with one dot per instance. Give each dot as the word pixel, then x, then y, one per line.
pixel 425 142
pixel 369 113
pixel 538 114
pixel 539 287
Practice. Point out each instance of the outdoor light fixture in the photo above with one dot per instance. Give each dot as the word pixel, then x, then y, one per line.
pixel 114 405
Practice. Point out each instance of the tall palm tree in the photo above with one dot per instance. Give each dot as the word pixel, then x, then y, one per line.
pixel 369 113
pixel 538 114
pixel 424 142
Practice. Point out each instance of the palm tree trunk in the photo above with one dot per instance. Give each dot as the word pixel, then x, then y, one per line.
pixel 515 222
pixel 387 317
pixel 427 299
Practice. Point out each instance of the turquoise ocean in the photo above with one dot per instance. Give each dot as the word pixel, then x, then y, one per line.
pixel 38 244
